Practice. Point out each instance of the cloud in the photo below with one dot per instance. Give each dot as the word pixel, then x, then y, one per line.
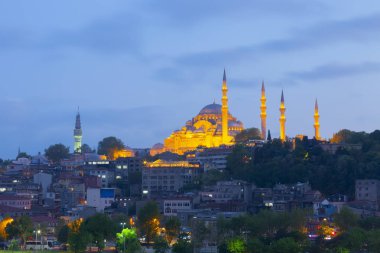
pixel 357 30
pixel 118 33
pixel 187 13
pixel 331 71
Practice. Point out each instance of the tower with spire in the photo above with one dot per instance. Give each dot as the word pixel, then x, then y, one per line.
pixel 316 121
pixel 263 112
pixel 224 110
pixel 282 118
pixel 77 134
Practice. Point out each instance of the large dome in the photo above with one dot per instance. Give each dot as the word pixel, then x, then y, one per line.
pixel 211 109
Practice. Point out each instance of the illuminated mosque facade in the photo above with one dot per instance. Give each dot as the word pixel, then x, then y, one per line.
pixel 212 127
pixel 215 126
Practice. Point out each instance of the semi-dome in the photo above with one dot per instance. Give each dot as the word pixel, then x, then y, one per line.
pixel 211 109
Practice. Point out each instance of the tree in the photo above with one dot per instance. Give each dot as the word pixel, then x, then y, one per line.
pixel 182 246
pixel 346 219
pixel 354 239
pixel 3 224
pixel 100 227
pixel 109 145
pixel 148 220
pixel 57 152
pixel 160 245
pixel 285 245
pixel 20 228
pixel 236 245
pixel 347 136
pixel 87 149
pixel 172 228
pixel 23 155
pixel 78 237
pixel 248 134
pixel 63 234
pixel 128 239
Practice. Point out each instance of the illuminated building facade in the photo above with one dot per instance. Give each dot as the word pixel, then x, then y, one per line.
pixel 77 135
pixel 212 127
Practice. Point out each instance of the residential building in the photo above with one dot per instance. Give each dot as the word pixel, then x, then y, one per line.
pixel 15 201
pixel 174 205
pixel 100 198
pixel 167 177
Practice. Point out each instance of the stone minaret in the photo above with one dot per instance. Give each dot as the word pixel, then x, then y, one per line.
pixel 77 135
pixel 282 118
pixel 224 110
pixel 316 121
pixel 263 114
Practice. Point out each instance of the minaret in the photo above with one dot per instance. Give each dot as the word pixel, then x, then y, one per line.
pixel 77 135
pixel 282 118
pixel 316 121
pixel 224 110
pixel 263 114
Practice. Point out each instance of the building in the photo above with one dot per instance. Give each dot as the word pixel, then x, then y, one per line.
pixel 224 192
pixel 164 177
pixel 172 206
pixel 368 190
pixel 44 180
pixel 15 201
pixel 100 198
pixel 212 127
pixel 211 158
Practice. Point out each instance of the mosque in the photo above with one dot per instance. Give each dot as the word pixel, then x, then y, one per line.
pixel 215 126
pixel 212 127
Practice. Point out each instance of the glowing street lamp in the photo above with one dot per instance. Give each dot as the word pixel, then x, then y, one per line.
pixel 123 224
pixel 37 232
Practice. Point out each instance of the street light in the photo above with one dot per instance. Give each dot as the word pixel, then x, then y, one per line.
pixel 36 232
pixel 123 224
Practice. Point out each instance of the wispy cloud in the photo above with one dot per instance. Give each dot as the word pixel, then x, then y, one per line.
pixel 332 71
pixel 186 13
pixel 357 30
pixel 115 34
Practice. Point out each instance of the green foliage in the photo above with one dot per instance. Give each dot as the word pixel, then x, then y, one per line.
pixel 128 239
pixel 148 220
pixel 200 232
pixel 346 219
pixel 160 245
pixel 182 246
pixel 285 245
pixel 108 145
pixel 23 155
pixel 87 149
pixel 248 134
pixel 78 241
pixel 236 245
pixel 278 162
pixel 350 137
pixel 57 152
pixel 354 239
pixel 212 176
pixel 100 227
pixel 63 234
pixel 172 228
pixel 14 245
pixel 20 228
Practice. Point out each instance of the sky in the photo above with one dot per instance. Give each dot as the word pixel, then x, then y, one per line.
pixel 138 70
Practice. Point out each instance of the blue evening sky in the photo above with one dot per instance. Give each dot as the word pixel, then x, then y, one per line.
pixel 139 69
